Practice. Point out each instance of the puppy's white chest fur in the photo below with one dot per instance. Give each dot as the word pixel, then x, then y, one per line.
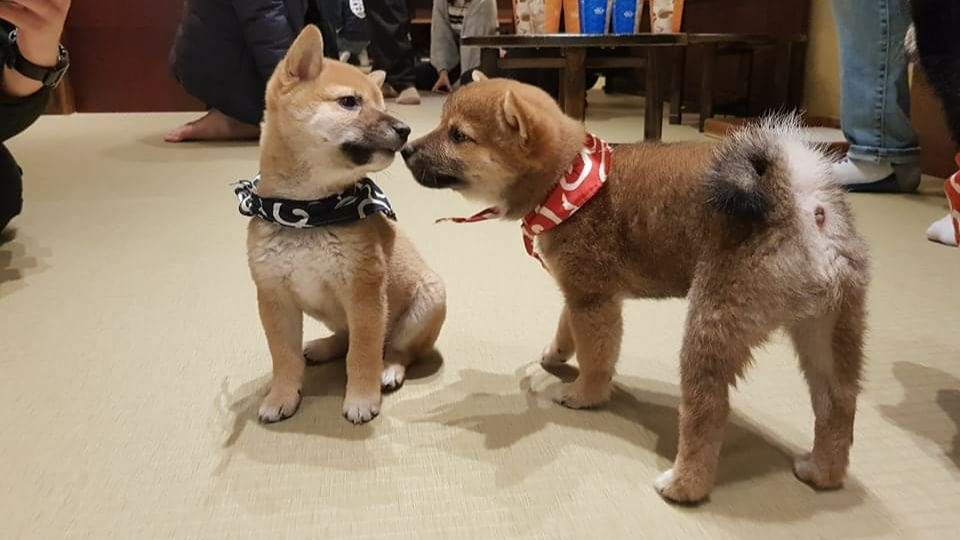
pixel 313 264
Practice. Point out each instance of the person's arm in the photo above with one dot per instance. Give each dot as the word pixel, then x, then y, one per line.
pixel 40 24
pixel 267 30
pixel 444 53
pixel 480 20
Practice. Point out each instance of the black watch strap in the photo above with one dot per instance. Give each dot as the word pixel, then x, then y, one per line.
pixel 48 76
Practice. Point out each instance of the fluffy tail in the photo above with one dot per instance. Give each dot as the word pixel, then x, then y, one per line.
pixel 750 176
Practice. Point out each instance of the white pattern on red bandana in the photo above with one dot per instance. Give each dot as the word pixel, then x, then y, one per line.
pixel 579 184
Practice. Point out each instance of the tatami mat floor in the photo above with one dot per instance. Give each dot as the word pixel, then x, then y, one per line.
pixel 132 361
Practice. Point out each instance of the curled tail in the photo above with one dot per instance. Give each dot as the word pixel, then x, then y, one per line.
pixel 754 169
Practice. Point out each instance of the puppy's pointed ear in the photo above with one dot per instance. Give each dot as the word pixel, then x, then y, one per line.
pixel 516 114
pixel 377 77
pixel 478 76
pixel 304 60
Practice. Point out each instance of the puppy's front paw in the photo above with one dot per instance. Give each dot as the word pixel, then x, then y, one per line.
pixel 392 377
pixel 579 396
pixel 361 409
pixel 553 356
pixel 281 403
pixel 680 490
pixel 808 472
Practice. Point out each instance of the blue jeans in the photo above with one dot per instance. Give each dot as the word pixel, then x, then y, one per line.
pixel 875 101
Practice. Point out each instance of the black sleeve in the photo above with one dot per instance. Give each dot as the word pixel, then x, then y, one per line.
pixel 267 30
pixel 17 113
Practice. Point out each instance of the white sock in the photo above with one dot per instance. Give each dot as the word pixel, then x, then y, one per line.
pixel 854 171
pixel 941 232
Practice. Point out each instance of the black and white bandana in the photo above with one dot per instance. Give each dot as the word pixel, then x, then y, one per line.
pixel 353 204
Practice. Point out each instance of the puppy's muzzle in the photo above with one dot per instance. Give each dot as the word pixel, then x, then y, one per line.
pixel 423 173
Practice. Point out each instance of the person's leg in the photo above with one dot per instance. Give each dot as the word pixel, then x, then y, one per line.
pixel 11 188
pixel 875 103
pixel 390 46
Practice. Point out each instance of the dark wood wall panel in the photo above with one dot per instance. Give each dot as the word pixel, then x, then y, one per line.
pixel 119 51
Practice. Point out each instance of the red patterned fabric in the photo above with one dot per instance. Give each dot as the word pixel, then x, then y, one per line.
pixel 952 188
pixel 579 184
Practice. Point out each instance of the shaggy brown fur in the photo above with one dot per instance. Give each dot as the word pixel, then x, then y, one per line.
pixel 753 232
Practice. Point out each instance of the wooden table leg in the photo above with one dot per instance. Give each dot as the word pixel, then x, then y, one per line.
pixel 653 119
pixel 489 59
pixel 676 84
pixel 573 90
pixel 709 68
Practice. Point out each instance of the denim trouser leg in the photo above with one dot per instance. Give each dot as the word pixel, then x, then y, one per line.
pixel 875 102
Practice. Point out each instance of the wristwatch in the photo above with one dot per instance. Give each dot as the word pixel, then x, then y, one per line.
pixel 49 76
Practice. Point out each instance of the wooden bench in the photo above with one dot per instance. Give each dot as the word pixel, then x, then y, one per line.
pixel 574 61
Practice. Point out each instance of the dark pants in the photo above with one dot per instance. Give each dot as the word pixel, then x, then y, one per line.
pixel 390 46
pixel 11 187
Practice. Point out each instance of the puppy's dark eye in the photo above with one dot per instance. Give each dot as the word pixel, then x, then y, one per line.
pixel 458 136
pixel 349 102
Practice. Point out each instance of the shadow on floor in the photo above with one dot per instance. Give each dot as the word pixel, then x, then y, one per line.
pixel 153 149
pixel 20 256
pixel 320 411
pixel 930 407
pixel 507 411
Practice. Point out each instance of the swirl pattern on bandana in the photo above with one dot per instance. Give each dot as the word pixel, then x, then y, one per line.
pixel 360 201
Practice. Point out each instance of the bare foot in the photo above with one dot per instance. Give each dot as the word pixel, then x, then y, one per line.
pixel 213 126
pixel 409 96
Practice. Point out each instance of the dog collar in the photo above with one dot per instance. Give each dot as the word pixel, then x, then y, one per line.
pixel 586 175
pixel 361 200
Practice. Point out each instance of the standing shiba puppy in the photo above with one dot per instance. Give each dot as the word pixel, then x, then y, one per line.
pixel 753 232
pixel 324 129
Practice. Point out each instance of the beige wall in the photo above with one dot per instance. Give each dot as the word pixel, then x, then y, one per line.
pixel 821 93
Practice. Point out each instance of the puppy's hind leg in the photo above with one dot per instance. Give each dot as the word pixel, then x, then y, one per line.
pixel 415 333
pixel 327 349
pixel 563 346
pixel 831 355
pixel 716 348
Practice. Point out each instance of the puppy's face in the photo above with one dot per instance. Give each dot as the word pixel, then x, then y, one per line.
pixel 331 112
pixel 493 135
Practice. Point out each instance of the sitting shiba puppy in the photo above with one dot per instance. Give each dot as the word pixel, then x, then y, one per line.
pixel 752 231
pixel 322 241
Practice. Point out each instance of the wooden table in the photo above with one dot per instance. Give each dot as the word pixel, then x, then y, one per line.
pixel 788 49
pixel 574 61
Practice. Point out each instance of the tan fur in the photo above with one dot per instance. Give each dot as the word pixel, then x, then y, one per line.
pixel 364 281
pixel 752 232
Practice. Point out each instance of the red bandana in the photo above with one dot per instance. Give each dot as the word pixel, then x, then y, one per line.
pixel 582 181
pixel 952 188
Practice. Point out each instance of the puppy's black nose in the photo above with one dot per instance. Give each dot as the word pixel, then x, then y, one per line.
pixel 407 151
pixel 402 130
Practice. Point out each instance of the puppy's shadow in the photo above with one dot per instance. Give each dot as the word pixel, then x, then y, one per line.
pixel 930 407
pixel 319 415
pixel 641 417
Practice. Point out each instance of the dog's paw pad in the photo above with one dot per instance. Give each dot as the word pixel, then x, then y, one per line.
pixel 673 489
pixel 807 471
pixel 552 356
pixel 392 377
pixel 360 410
pixel 279 405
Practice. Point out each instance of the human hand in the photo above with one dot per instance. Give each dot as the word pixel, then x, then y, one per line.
pixel 40 24
pixel 442 85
